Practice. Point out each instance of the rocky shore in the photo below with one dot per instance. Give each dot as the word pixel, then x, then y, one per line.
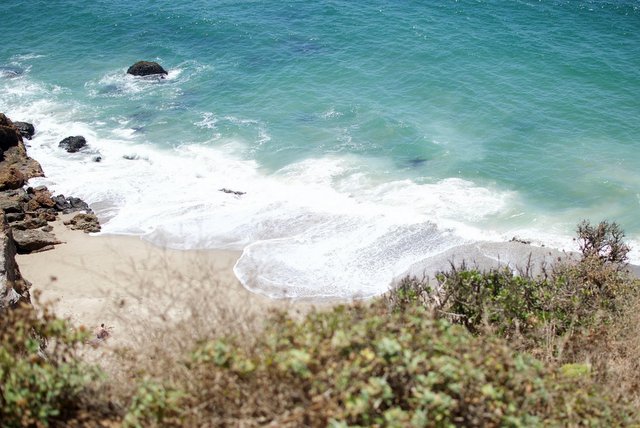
pixel 27 212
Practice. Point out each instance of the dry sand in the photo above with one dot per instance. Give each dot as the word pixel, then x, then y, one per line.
pixel 129 284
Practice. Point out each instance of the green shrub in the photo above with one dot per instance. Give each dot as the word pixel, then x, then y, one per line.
pixel 570 299
pixel 41 376
pixel 153 405
pixel 364 366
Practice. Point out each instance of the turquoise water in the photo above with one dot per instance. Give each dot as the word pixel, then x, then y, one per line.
pixel 366 134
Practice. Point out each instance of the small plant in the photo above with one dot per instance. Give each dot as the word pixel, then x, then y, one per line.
pixel 42 378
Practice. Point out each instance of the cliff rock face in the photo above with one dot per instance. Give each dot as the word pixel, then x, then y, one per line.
pixel 16 167
pixel 13 288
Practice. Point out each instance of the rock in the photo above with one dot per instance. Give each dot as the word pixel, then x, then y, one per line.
pixel 47 228
pixel 10 72
pixel 11 178
pixel 13 288
pixel 146 68
pixel 9 134
pixel 29 223
pixel 73 144
pixel 11 201
pixel 15 157
pixel 5 121
pixel 14 217
pixel 9 137
pixel 32 240
pixel 87 222
pixel 69 205
pixel 97 158
pixel 40 197
pixel 233 192
pixel 25 129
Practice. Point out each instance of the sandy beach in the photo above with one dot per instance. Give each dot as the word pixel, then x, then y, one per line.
pixel 128 284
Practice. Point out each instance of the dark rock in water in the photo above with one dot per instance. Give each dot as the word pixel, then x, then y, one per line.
pixel 87 222
pixel 32 240
pixel 97 158
pixel 146 68
pixel 417 162
pixel 233 192
pixel 25 129
pixel 73 144
pixel 70 205
pixel 10 72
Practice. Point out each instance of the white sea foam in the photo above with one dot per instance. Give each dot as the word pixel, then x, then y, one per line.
pixel 329 227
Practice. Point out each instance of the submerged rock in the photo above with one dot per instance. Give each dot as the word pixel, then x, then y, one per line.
pixel 25 129
pixel 146 68
pixel 73 144
pixel 232 192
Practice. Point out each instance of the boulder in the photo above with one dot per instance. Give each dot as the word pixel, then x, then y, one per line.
pixel 146 68
pixel 73 144
pixel 31 240
pixel 25 129
pixel 87 222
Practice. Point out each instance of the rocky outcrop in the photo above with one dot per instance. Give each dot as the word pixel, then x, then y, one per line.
pixel 87 222
pixel 146 68
pixel 25 129
pixel 73 144
pixel 13 288
pixel 16 167
pixel 25 214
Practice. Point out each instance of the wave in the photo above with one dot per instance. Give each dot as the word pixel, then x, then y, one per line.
pixel 327 227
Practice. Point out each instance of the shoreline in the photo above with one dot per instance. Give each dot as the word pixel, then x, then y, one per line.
pixel 127 283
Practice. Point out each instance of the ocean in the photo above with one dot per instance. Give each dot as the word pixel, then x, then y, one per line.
pixel 366 135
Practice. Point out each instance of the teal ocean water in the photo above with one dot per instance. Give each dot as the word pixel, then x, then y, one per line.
pixel 367 135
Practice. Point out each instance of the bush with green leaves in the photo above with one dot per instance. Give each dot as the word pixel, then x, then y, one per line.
pixel 42 378
pixel 366 366
pixel 571 296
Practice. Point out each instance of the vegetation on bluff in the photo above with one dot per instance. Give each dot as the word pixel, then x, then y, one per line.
pixel 496 348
